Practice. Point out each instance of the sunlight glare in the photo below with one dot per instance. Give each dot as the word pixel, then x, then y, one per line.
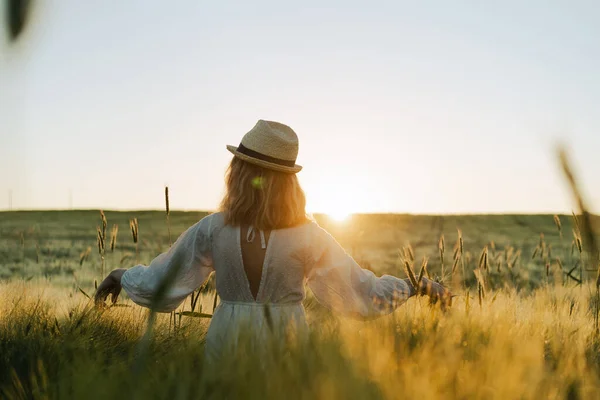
pixel 339 215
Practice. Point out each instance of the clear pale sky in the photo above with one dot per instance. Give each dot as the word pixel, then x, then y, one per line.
pixel 402 106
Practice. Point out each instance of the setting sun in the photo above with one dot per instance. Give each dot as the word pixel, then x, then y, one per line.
pixel 339 215
pixel 340 195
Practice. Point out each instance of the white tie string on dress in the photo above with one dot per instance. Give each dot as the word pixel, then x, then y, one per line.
pixel 251 234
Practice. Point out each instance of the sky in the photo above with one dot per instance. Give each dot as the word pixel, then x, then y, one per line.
pixel 400 106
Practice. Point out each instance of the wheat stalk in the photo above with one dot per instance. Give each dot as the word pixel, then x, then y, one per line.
pixel 558 225
pixel 483 259
pixel 454 265
pixel 100 242
pixel 442 248
pixel 113 237
pixel 408 252
pixel 537 248
pixel 411 275
pixel 461 252
pixel 480 282
pixel 104 224
pixel 84 256
pixel 133 224
pixel 585 227
pixel 498 261
pixel 168 212
pixel 422 272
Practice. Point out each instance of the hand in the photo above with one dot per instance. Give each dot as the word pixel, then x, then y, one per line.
pixel 436 292
pixel 111 285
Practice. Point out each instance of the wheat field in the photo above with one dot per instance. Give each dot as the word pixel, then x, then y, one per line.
pixel 521 325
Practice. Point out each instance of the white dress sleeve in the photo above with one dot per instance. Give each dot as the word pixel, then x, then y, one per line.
pixel 190 257
pixel 340 284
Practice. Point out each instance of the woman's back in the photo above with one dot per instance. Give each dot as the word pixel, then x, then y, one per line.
pixel 281 278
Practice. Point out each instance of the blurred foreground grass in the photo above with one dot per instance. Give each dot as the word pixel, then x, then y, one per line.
pixel 539 345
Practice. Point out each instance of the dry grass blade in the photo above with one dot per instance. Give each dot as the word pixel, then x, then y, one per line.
pixel 511 264
pixel 480 280
pixel 100 241
pixel 104 224
pixel 560 264
pixel 585 228
pixel 194 314
pixel 195 297
pixel 498 261
pixel 408 253
pixel 113 237
pixel 576 222
pixel 168 211
pixel 422 271
pixel 133 224
pixel 84 255
pixel 454 265
pixel 483 259
pixel 570 274
pixel 84 293
pixel 535 252
pixel 411 275
pixel 558 225
pixel 579 244
pixel 101 249
pixel 215 302
pixel 442 249
pixel 167 199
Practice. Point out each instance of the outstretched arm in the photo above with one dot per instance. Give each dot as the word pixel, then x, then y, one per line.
pixel 185 267
pixel 341 284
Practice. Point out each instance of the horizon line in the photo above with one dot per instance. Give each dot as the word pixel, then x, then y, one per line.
pixel 474 213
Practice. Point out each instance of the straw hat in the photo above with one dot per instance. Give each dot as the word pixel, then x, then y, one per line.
pixel 270 145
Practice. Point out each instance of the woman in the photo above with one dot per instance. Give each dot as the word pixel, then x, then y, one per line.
pixel 263 249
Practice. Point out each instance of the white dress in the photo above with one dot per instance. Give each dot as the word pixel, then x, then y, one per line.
pixel 304 254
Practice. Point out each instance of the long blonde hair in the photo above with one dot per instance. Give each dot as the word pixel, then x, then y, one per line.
pixel 261 197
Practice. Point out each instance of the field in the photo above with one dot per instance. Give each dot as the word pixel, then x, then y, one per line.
pixel 521 326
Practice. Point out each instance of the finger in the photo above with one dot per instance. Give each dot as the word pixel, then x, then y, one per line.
pixel 102 292
pixel 115 294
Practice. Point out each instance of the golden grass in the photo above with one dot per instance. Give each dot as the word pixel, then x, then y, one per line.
pixel 541 345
